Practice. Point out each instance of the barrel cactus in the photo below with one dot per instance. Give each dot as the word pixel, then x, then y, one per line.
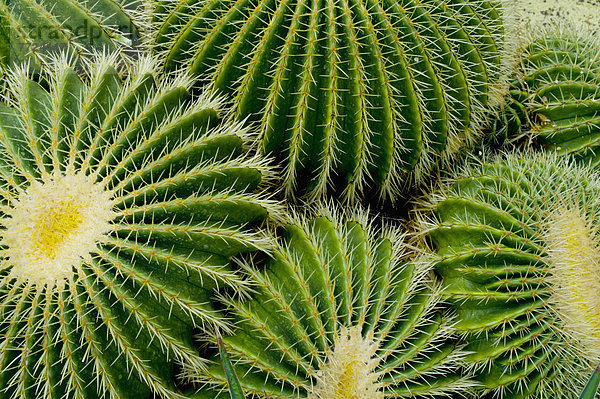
pixel 555 102
pixel 338 313
pixel 30 30
pixel 348 96
pixel 516 245
pixel 122 201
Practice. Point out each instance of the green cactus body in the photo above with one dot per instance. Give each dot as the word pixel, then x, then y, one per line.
pixel 517 249
pixel 122 201
pixel 337 313
pixel 556 101
pixel 33 29
pixel 347 94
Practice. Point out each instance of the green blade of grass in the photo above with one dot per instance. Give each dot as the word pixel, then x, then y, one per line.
pixel 235 389
pixel 589 392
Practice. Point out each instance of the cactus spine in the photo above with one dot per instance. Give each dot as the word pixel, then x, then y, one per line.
pixel 347 94
pixel 121 203
pixel 31 30
pixel 518 250
pixel 555 102
pixel 339 313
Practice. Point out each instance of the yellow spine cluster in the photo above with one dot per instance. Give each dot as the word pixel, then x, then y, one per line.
pixel 53 226
pixel 350 369
pixel 575 265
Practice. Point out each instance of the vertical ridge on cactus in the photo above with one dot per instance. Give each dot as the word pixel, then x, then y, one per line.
pixel 32 30
pixel 121 201
pixel 555 101
pixel 338 313
pixel 516 245
pixel 349 95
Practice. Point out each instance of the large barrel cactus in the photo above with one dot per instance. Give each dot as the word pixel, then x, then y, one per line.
pixel 517 246
pixel 30 30
pixel 555 102
pixel 349 95
pixel 339 313
pixel 121 203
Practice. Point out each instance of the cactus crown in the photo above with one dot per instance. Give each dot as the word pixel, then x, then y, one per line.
pixel 339 313
pixel 351 368
pixel 516 240
pixel 574 259
pixel 53 227
pixel 347 94
pixel 121 201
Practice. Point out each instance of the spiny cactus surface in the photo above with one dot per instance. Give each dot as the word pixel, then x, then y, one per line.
pixel 338 313
pixel 556 100
pixel 516 242
pixel 30 30
pixel 121 203
pixel 349 95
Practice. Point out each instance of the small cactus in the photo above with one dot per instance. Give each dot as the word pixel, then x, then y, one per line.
pixel 338 313
pixel 349 96
pixel 32 30
pixel 555 102
pixel 517 249
pixel 121 203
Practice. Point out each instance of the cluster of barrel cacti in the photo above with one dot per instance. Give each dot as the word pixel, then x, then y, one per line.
pixel 296 199
pixel 348 96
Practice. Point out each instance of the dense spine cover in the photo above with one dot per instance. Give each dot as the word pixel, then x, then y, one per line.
pixel 122 200
pixel 349 95
pixel 555 101
pixel 32 30
pixel 516 245
pixel 338 312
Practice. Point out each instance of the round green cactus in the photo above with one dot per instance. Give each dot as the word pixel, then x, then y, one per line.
pixel 121 203
pixel 30 30
pixel 517 246
pixel 339 313
pixel 349 96
pixel 555 102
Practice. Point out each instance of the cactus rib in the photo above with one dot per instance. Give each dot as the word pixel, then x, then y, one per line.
pixel 516 246
pixel 348 94
pixel 555 100
pixel 338 312
pixel 122 199
pixel 33 30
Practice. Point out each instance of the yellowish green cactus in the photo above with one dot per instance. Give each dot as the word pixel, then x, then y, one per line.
pixel 31 30
pixel 555 101
pixel 353 97
pixel 517 247
pixel 122 200
pixel 337 313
